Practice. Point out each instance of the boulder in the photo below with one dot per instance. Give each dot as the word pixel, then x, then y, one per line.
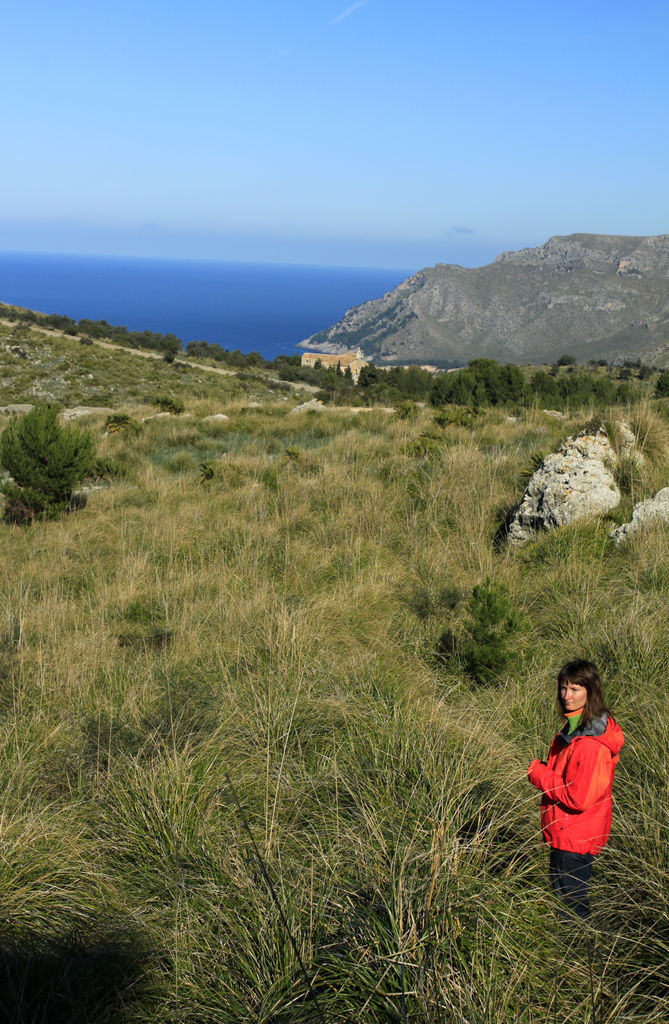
pixel 570 484
pixel 627 443
pixel 215 417
pixel 652 510
pixel 314 404
pixel 16 410
pixel 85 410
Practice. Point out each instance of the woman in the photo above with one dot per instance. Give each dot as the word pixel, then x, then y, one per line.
pixel 576 783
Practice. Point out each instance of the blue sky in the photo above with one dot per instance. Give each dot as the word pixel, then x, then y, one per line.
pixel 377 132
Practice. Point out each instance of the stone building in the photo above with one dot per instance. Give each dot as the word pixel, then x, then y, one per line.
pixel 354 361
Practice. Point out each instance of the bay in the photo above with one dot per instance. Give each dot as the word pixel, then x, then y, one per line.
pixel 261 307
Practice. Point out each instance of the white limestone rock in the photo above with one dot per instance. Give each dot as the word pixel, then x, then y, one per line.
pixel 652 510
pixel 314 404
pixel 627 443
pixel 570 484
pixel 85 410
pixel 215 417
pixel 16 410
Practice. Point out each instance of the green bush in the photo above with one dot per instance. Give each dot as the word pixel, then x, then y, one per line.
pixel 106 467
pixel 46 462
pixel 454 415
pixel 422 448
pixel 119 422
pixel 407 410
pixel 166 403
pixel 662 385
pixel 492 623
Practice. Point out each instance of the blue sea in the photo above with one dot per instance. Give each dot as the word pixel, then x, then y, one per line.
pixel 261 307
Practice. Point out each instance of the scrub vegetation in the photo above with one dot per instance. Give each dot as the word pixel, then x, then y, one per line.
pixel 296 601
pixel 46 462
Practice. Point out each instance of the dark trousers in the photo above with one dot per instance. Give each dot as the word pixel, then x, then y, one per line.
pixel 570 876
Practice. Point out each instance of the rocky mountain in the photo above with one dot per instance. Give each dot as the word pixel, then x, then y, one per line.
pixel 593 296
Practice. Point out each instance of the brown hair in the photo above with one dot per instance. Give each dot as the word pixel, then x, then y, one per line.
pixel 583 673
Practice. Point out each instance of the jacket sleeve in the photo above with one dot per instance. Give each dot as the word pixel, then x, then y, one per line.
pixel 586 778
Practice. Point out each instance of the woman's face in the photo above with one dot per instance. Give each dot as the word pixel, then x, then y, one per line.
pixel 573 697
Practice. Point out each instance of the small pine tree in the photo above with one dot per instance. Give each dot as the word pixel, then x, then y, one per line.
pixel 662 386
pixel 493 622
pixel 46 462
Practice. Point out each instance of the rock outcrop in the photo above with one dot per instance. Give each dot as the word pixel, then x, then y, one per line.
pixel 570 484
pixel 86 410
pixel 627 443
pixel 652 510
pixel 314 405
pixel 16 410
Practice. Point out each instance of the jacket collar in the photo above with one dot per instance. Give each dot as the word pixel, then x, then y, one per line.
pixel 597 727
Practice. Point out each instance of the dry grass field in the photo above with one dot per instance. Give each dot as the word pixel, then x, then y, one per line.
pixel 265 598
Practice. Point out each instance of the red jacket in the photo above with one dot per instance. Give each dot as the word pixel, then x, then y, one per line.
pixel 576 785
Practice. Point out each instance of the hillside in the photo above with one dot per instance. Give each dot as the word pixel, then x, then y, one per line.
pixel 282 600
pixel 594 296
pixel 45 364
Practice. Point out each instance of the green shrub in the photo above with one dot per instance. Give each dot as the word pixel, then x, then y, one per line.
pixel 662 385
pixel 121 422
pixel 270 479
pixel 46 462
pixel 166 403
pixel 492 623
pixel 454 415
pixel 422 448
pixel 407 410
pixel 106 468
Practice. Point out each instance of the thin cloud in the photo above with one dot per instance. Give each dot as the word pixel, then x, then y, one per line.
pixel 347 13
pixel 279 55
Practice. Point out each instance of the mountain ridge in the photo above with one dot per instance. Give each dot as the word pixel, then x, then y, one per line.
pixel 595 296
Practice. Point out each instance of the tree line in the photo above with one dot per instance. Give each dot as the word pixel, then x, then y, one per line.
pixel 485 382
pixel 168 344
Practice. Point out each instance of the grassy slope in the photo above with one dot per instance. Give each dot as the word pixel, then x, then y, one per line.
pixel 279 623
pixel 55 367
